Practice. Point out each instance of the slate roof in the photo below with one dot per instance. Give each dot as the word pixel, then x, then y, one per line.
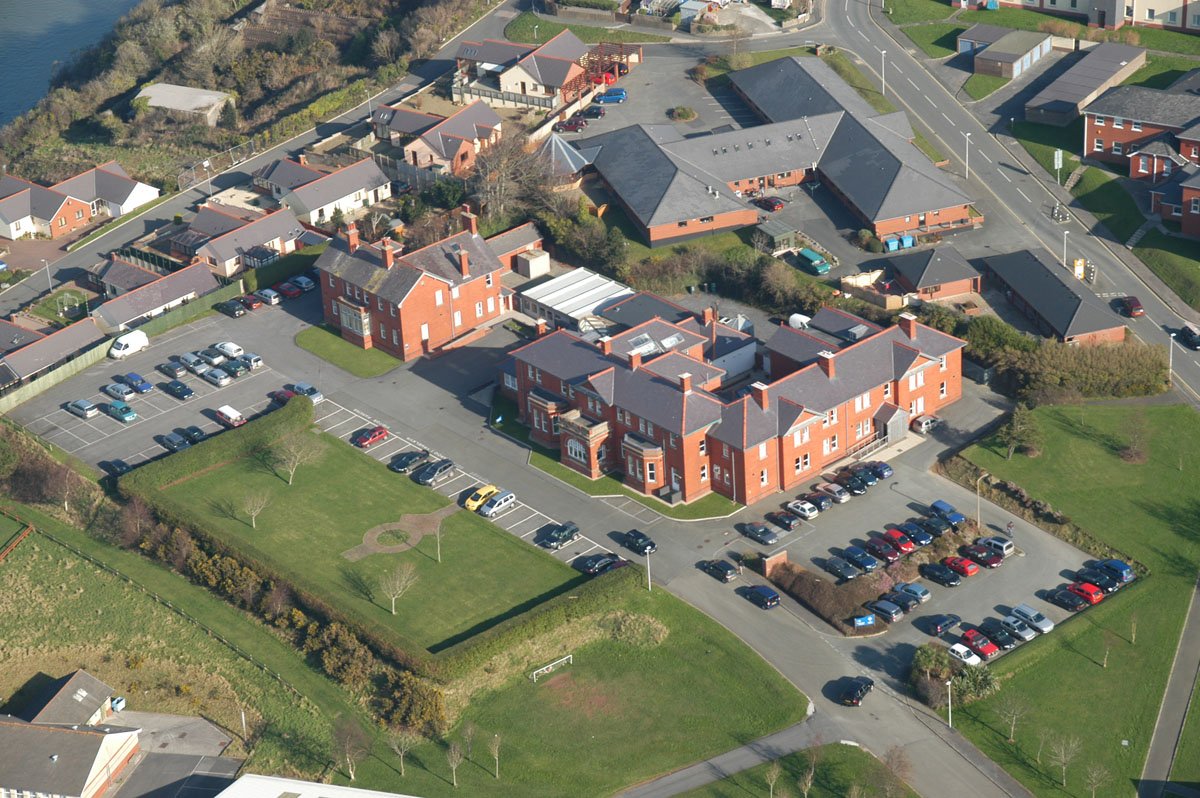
pixel 1170 109
pixel 671 365
pixel 1087 75
pixel 719 339
pixel 476 121
pixel 565 160
pixel 213 220
pixel 1171 191
pixel 797 345
pixel 13 337
pixel 984 34
pixel 20 199
pixel 129 307
pixel 1164 146
pixel 642 307
pixel 516 239
pixel 842 325
pixel 281 224
pixel 50 349
pixel 108 182
pixel 74 700
pixel 1068 310
pixel 405 121
pixel 123 275
pixel 745 424
pixel 812 89
pixel 441 259
pixel 564 355
pixel 26 751
pixel 287 174
pixel 493 51
pixel 653 338
pixel 553 62
pixel 932 267
pixel 360 176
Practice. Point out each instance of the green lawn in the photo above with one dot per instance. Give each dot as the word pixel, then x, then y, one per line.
pixel 1176 261
pixel 839 767
pixel 327 344
pixel 1041 141
pixel 61 307
pixel 333 502
pixel 1161 71
pixel 288 266
pixel 936 40
pixel 1150 38
pixel 777 14
pixel 1140 510
pixel 521 30
pixel 1101 193
pixel 904 11
pixel 979 86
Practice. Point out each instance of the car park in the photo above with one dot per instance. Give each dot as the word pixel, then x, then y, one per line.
pixel 250 302
pixel 194 434
pixel 919 592
pixel 217 377
pixel 763 596
pixel 83 408
pixel 964 655
pixel 835 492
pixel 882 470
pixel 639 542
pixel 269 296
pixel 497 504
pixel 1098 578
pixel 915 533
pixel 760 533
pixel 596 564
pixel 902 600
pixel 365 439
pixel 803 508
pixel 865 474
pixel 785 520
pixel 561 535
pixel 178 389
pixel 1131 306
pixel 193 363
pixel 479 496
pixel 722 570
pixel 961 566
pixel 594 112
pixel 119 390
pixel 851 483
pixel 822 501
pixel 940 624
pixel 304 389
pixel 882 549
pixel 433 473
pixel 1034 618
pixel 1087 591
pixel 1000 637
pixel 977 641
pixel 120 411
pixel 405 462
pixel 840 568
pixel 303 283
pixel 1119 569
pixel 885 609
pixel 769 204
pixel 1068 600
pixel 946 512
pixel 1018 628
pixel 936 572
pixel 934 525
pixel 174 442
pixel 172 368
pixel 137 382
pixel 231 308
pixel 287 289
pixel 859 558
pixel 982 555
pixel 857 691
pixel 229 349
pixel 899 541
pixel 212 356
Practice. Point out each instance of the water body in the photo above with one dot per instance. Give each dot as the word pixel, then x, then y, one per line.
pixel 36 33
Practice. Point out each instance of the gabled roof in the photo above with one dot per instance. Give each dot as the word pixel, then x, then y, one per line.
pixel 745 424
pixel 493 51
pixel 20 199
pixel 122 274
pixel 576 294
pixel 405 121
pixel 557 60
pixel 797 345
pixel 363 175
pixel 476 121
pixel 287 174
pixel 564 44
pixel 1068 310
pixel 74 700
pixel 107 182
pixel 50 760
pixel 642 307
pixel 1172 109
pixel 932 267
pixel 214 220
pixel 653 338
pixel 515 239
pixel 564 355
pixel 1171 190
pixel 719 339
pixel 13 337
pixel 442 258
pixel 58 345
pixel 196 280
pixel 282 224
pixel 842 324
pixel 795 88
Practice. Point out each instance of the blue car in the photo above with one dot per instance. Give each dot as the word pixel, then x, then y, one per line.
pixel 882 469
pixel 858 557
pixel 763 596
pixel 1119 570
pixel 945 510
pixel 137 383
pixel 916 534
pixel 611 96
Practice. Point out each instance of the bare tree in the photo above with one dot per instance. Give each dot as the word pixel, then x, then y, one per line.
pixel 739 39
pixel 1063 751
pixel 1095 777
pixel 454 758
pixel 387 46
pixel 899 770
pixel 761 241
pixel 1110 640
pixel 1011 708
pixel 295 451
pixel 854 791
pixel 136 519
pixel 350 744
pixel 396 582
pixel 508 172
pixel 1133 619
pixel 774 771
pixel 437 534
pixel 468 735
pixel 805 782
pixel 494 750
pixel 402 742
pixel 1042 735
pixel 254 504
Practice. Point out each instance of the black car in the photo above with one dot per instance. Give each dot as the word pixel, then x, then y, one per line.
pixel 818 500
pixel 760 532
pixel 561 535
pixel 1068 601
pixel 596 564
pixel 117 468
pixel 1098 578
pixel 940 624
pixel 723 570
pixel 902 600
pixel 172 368
pixel 840 568
pixel 179 390
pixel 864 472
pixel 934 525
pixel 919 537
pixel 763 596
pixel 194 434
pixel 594 112
pixel 939 573
pixel 433 473
pixel 993 631
pixel 859 558
pixel 174 442
pixel 638 541
pixel 407 461
pixel 851 483
pixel 785 520
pixel 856 691
pixel 235 368
pixel 231 308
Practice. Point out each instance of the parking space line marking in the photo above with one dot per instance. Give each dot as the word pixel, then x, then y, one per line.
pixel 1005 176
pixel 985 156
pixel 1022 193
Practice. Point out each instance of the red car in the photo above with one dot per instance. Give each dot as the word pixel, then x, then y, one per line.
pixel 288 290
pixel 983 555
pixel 250 301
pixel 1087 591
pixel 281 396
pixel 899 541
pixel 961 566
pixel 605 79
pixel 369 437
pixel 570 125
pixel 1132 307
pixel 771 204
pixel 977 642
pixel 882 549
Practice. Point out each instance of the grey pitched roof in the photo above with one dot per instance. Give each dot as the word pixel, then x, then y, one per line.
pixel 564 44
pixel 58 345
pixel 1012 46
pixel 744 424
pixel 404 120
pixel 984 34
pixel 493 51
pixel 441 259
pixel 653 338
pixel 564 159
pixel 797 345
pixel 123 275
pixel 1170 191
pixel 20 198
pixel 673 364
pixel 107 181
pixel 1171 109
pixel 476 121
pixel 930 267
pixel 795 88
pixel 564 355
pixel 364 268
pixel 1068 310
pixel 1165 146
pixel 841 324
pixel 518 238
pixel 1100 64
pixel 359 176
pixel 287 174
pixel 660 401
pixel 212 220
pixel 719 339
pixel 13 337
pixel 282 224
pixel 195 280
pixel 74 700
pixel 642 307
pixel 50 760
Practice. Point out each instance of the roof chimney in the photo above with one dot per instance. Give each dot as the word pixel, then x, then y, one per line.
pixel 908 324
pixel 635 360
pixel 758 392
pixel 825 361
pixel 352 237
pixel 606 345
pixel 470 222
pixel 685 382
pixel 542 327
pixel 709 315
pixel 464 264
pixel 302 159
pixel 389 256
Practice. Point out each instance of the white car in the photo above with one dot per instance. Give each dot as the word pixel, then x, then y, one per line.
pixel 964 655
pixel 1018 628
pixel 229 349
pixel 805 510
pixel 268 296
pixel 836 492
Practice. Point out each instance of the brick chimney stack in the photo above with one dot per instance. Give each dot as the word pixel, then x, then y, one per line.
pixel 606 345
pixel 389 256
pixel 908 324
pixel 464 263
pixel 710 315
pixel 302 159
pixel 635 360
pixel 352 237
pixel 470 222
pixel 758 391
pixel 685 383
pixel 542 327
pixel 825 361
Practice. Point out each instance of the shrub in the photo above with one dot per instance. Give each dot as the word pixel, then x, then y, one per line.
pixel 681 113
pixel 407 700
pixel 603 5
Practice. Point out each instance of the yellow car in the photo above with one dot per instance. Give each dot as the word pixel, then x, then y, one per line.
pixel 481 495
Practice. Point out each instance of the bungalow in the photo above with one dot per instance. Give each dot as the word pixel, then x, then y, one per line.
pixel 553 71
pixel 231 239
pixel 153 299
pixel 934 273
pixel 442 144
pixel 359 185
pixel 108 189
pixel 117 276
pixel 28 210
pixel 283 175
pixel 66 761
pixel 43 354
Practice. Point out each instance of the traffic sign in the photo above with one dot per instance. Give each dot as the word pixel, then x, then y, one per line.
pixel 1058 159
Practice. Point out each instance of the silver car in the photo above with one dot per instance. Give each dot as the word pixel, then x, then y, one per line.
pixel 83 408
pixel 804 509
pixel 1018 628
pixel 119 390
pixel 304 389
pixel 192 362
pixel 836 492
pixel 217 377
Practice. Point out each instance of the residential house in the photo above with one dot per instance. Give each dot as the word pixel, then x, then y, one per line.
pixel 934 273
pixel 48 352
pixel 411 303
pixel 28 210
pixel 641 403
pixel 153 299
pixel 283 175
pixel 1114 14
pixel 204 104
pixel 1147 133
pixel 13 337
pixel 63 761
pixel 511 244
pixel 553 71
pixel 1178 199
pixel 116 276
pixel 349 189
pixel 108 189
pixel 230 239
pixel 447 145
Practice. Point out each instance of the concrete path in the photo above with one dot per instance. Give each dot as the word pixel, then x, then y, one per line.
pixel 1172 713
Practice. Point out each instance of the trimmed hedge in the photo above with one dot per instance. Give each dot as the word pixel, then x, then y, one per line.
pixel 194 309
pixel 290 265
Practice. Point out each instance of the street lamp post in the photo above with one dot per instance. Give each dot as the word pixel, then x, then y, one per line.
pixel 967 153
pixel 949 703
pixel 883 70
pixel 649 587
pixel 1171 360
pixel 1065 234
pixel 979 502
pixel 535 36
pixel 367 92
pixel 49 285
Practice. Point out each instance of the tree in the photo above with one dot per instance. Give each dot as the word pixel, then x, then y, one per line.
pixel 1095 777
pixel 254 504
pixel 1133 619
pixel 932 661
pixel 1135 450
pixel 899 768
pixel 1011 708
pixel 387 46
pixel 337 219
pixel 1042 736
pixel 454 758
pixel 507 173
pixel 403 741
pixel 350 744
pixel 1110 640
pixel 739 39
pixel 805 782
pixel 1063 751
pixel 494 750
pixel 774 771
pixel 398 581
pixel 468 735
pixel 1022 431
pixel 295 451
pixel 136 520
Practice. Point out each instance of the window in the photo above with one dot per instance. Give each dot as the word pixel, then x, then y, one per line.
pixel 942 390
pixel 942 363
pixel 382 331
pixel 424 332
pixel 725 450
pixel 392 310
pixel 642 425
pixel 833 416
pixel 649 429
pixel 1195 204
pixel 681 224
pixel 703 473
pixel 437 298
pixel 716 473
pixel 703 446
pixel 1166 168
pixel 487 280
pixel 537 376
pixel 458 318
pixel 333 306
pixel 1118 122
pixel 1098 145
pixel 762 477
pixel 357 293
pixel 833 444
pixel 762 451
pixel 1136 127
pixel 825 446
pixel 1177 210
pixel 1143 164
pixel 396 341
pixel 62 221
pixel 801 464
pixel 800 436
pixel 887 390
pixel 1116 148
pixel 1074 3
pixel 673 440
pixel 576 451
pixel 706 220
pixel 78 214
pixel 478 310
pixel 379 302
pixel 1149 13
pixel 862 402
pixel 554 423
pixel 454 292
pixel 651 472
pixel 1172 17
pixel 1099 121
pixel 331 281
pixel 1196 20
pixel 916 380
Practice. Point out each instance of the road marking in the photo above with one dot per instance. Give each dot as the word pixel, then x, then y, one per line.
pixel 860 33
pixel 1022 193
pixel 948 119
pixel 1005 175
pixel 985 156
pixel 915 86
pixel 931 102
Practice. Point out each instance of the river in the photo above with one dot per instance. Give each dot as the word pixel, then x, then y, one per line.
pixel 36 33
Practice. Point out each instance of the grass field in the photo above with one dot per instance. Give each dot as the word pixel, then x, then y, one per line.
pixel 1150 38
pixel 1161 71
pixel 333 502
pixel 839 768
pixel 979 86
pixel 904 11
pixel 328 345
pixel 1140 510
pixel 1041 141
pixel 521 29
pixel 936 40
pixel 61 307
pixel 1102 194
pixel 1176 261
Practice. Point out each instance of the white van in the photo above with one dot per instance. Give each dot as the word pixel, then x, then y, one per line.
pixel 230 417
pixel 498 504
pixel 130 343
pixel 1001 546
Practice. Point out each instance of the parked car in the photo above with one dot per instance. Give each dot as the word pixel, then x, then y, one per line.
pixel 638 541
pixel 1001 637
pixel 174 442
pixel 923 425
pixel 230 416
pixel 561 535
pixel 961 566
pixel 280 396
pixel 212 356
pixel 885 609
pixel 231 308
pixel 217 377
pixel 977 641
pixel 1098 578
pixel 596 564
pixel 433 473
pixel 119 390
pixel 982 555
pixel 857 691
pixel 901 600
pixel 865 473
pixel 1069 601
pixel 120 411
pixel 229 349
pixel 269 296
pixel 940 624
pixel 604 79
pixel 853 484
pixel 193 363
pixel 287 289
pixel 1034 618
pixel 934 525
pixel 840 568
pixel 919 592
pixel 899 541
pixel 570 126
pixel 769 204
pixel 172 368
pixel 881 469
pixel 303 283
pixel 250 302
pixel 405 462
pixel 194 434
pixel 822 501
pixel 947 513
pixel 83 408
pixel 611 96
pixel 763 596
pixel 1002 546
pixel 785 520
pixel 915 533
pixel 479 496
pixel 803 508
pixel 304 389
pixel 1119 569
pixel 365 439
pixel 723 570
pixel 1087 591
pixel 594 112
pixel 235 368
pixel 760 532
pixel 936 572
pixel 837 493
pixel 859 558
pixel 964 655
pixel 497 504
pixel 179 390
pixel 1018 628
pixel 1131 306
pixel 252 361
pixel 882 549
pixel 137 382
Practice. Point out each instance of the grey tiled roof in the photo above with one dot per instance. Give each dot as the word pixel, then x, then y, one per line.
pixel 653 338
pixel 1170 191
pixel 797 345
pixel 364 268
pixel 1164 146
pixel 20 198
pixel 49 760
pixel 1172 109
pixel 642 307
pixel 673 364
pixel 107 182
pixel 58 345
pixel 404 120
pixel 842 324
pixel 1099 65
pixel 719 339
pixel 361 176
pixel 74 701
pixel 476 121
pixel 287 174
pixel 212 220
pixel 493 51
pixel 441 259
pixel 194 281
pixel 564 44
pixel 795 88
pixel 1066 308
pixel 13 337
pixel 564 355
pixel 744 424
pixel 659 401
pixel 930 267
pixel 1014 45
pixel 282 224
pixel 564 159
pixel 984 34
pixel 516 239
pixel 123 275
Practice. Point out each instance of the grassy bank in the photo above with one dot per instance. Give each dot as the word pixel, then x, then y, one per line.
pixel 327 344
pixel 839 769
pixel 937 40
pixel 1176 261
pixel 979 86
pixel 522 30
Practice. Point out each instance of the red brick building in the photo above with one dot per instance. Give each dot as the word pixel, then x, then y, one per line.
pixel 411 303
pixel 642 404
pixel 1149 133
